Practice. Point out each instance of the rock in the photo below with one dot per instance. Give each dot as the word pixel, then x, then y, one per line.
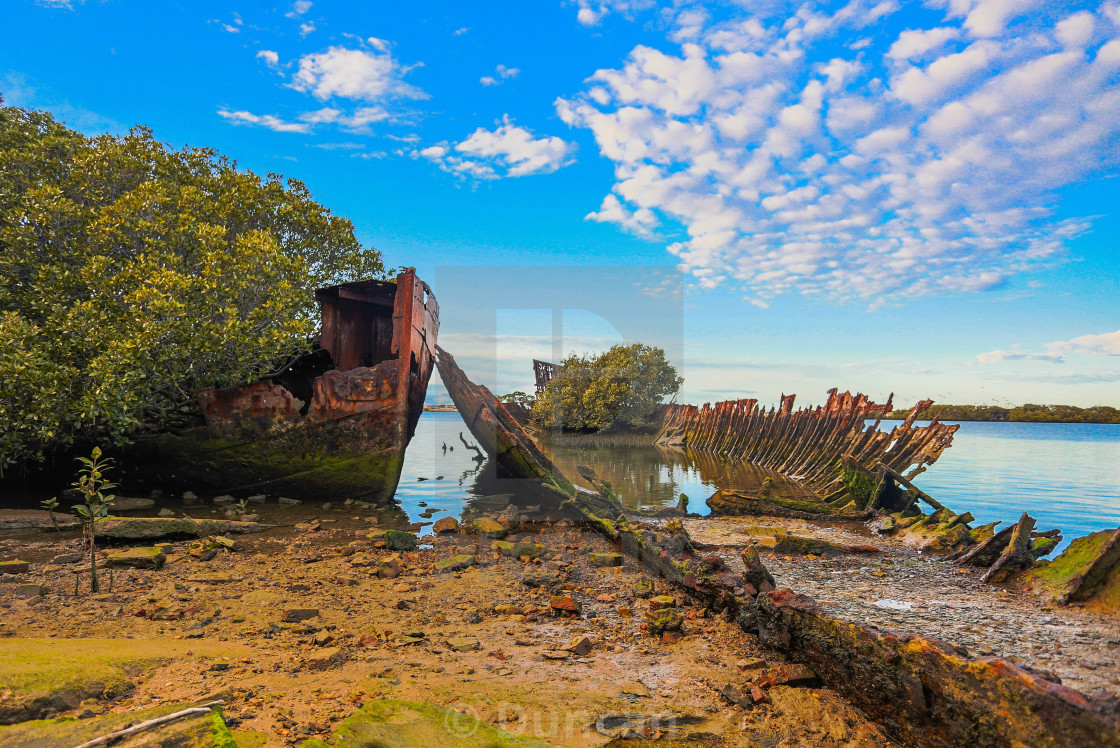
pixel 128 504
pixel 325 658
pixel 759 696
pixel 456 563
pixel 662 601
pixel 756 574
pixel 555 654
pixel 396 540
pixel 643 588
pixel 489 528
pixel 605 559
pixel 633 688
pixel 533 580
pixel 144 528
pixel 138 558
pixel 664 619
pixel 190 497
pixel 463 644
pixel 25 591
pixel 737 697
pixel 750 663
pixel 579 645
pixel 295 615
pixel 796 675
pixel 446 524
pixel 285 501
pixel 165 512
pixel 257 499
pixel 389 567
pixel 68 558
pixel 565 605
pixel 224 499
pixel 14 567
pixel 517 550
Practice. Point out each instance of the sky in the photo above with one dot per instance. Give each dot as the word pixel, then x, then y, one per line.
pixel 917 198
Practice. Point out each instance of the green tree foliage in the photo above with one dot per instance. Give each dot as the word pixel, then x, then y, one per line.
pixel 1022 413
pixel 134 274
pixel 619 389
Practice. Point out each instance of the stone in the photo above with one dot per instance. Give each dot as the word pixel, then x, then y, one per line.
pixel 189 497
pixel 446 524
pixel 138 558
pixel 325 658
pixel 796 675
pixel 456 563
pixel 285 501
pixel 165 512
pixel 578 645
pixel 224 499
pixel 555 654
pixel 644 588
pixel 295 615
pixel 633 688
pixel 389 567
pixel 759 696
pixel 463 644
pixel 664 619
pixel 129 504
pixel 257 499
pixel 14 567
pixel 662 601
pixel 605 559
pixel 737 697
pixel 68 558
pixel 750 663
pixel 396 540
pixel 26 591
pixel 489 528
pixel 565 604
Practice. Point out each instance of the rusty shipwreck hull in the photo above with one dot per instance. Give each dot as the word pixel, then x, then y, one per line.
pixel 333 424
pixel 921 690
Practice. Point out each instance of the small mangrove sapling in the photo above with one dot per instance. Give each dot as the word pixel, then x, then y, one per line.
pixel 92 484
pixel 50 505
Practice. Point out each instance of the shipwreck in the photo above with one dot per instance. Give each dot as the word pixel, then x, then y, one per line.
pixel 921 690
pixel 334 423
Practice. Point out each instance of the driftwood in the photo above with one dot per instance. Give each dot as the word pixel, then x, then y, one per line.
pixel 478 455
pixel 919 689
pixel 1017 554
pixel 149 724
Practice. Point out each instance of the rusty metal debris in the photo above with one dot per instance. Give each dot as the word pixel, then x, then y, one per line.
pixel 336 421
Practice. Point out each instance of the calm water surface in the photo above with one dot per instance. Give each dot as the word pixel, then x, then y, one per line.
pixel 1065 475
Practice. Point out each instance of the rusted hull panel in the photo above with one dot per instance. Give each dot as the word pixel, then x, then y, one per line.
pixel 807 444
pixel 347 438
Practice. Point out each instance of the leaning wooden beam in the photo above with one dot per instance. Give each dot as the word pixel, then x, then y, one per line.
pixel 149 724
pixel 919 689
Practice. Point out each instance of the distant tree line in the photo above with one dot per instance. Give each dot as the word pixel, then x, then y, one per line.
pixel 1030 413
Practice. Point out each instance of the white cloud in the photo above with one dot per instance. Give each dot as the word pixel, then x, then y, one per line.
pixel 299 8
pixel 230 29
pixel 501 74
pixel 591 12
pixel 917 42
pixel 306 28
pixel 508 150
pixel 460 32
pixel 264 120
pixel 1105 344
pixel 270 58
pixel 640 222
pixel 931 168
pixel 997 356
pixel 353 74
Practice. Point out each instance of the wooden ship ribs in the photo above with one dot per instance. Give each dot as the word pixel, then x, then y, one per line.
pixel 811 445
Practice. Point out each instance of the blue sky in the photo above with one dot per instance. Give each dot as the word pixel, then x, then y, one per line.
pixel 917 198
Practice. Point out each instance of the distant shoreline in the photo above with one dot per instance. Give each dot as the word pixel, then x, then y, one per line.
pixel 1029 413
pixel 439 408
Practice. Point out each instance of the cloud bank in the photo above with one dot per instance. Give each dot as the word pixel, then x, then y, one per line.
pixel 804 153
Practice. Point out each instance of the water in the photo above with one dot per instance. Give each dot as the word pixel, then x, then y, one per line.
pixel 1064 475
